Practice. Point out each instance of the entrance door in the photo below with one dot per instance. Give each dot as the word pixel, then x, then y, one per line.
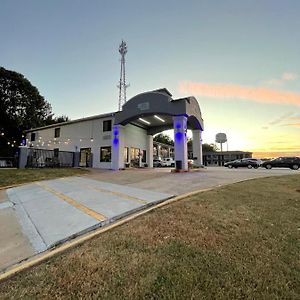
pixel 85 157
pixel 135 157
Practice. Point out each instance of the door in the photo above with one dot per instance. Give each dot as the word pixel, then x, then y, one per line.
pixel 85 157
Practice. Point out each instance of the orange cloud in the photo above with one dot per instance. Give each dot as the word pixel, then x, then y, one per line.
pixel 293 124
pixel 262 95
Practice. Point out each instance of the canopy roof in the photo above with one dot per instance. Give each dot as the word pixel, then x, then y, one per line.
pixel 154 110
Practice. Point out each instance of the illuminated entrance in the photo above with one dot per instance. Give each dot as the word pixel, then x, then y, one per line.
pixel 154 112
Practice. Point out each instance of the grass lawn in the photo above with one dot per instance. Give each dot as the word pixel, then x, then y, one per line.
pixel 236 242
pixel 15 176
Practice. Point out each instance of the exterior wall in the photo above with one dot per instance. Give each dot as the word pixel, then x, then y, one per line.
pixel 73 137
pixel 219 158
pixel 76 136
pixel 135 137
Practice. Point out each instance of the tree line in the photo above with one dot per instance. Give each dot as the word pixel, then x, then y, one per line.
pixel 21 107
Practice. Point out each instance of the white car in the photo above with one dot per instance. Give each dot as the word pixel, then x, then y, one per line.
pixel 168 162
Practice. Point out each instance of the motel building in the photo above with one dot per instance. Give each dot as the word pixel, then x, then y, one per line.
pixel 120 139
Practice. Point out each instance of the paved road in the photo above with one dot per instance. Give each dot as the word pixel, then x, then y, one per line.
pixel 162 180
pixel 37 216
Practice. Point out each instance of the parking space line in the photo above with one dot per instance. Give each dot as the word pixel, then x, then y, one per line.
pixel 124 196
pixel 72 202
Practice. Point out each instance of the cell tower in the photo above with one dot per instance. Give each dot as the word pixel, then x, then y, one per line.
pixel 122 84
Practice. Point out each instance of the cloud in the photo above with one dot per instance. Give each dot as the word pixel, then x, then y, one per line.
pixel 225 91
pixel 265 127
pixel 274 81
pixel 288 76
pixel 292 124
pixel 295 118
pixel 281 118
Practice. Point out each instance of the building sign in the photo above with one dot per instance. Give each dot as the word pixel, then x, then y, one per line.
pixel 144 106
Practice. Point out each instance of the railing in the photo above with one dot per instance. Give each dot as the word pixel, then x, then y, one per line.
pixel 8 162
pixel 41 158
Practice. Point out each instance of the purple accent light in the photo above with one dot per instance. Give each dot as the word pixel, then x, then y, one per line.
pixel 116 132
pixel 178 137
pixel 116 141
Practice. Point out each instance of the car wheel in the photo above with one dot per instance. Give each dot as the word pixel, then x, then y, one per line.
pixel 159 165
pixel 249 166
pixel 172 165
pixel 230 166
pixel 295 167
pixel 268 166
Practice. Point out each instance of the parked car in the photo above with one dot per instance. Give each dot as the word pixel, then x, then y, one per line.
pixel 168 162
pixel 157 163
pixel 245 162
pixel 283 162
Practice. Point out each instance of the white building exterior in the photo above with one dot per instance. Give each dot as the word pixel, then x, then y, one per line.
pixel 125 138
pixel 89 134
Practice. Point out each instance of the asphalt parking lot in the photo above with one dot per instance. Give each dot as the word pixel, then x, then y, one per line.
pixel 37 216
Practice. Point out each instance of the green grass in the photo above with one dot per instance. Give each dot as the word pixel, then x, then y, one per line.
pixel 235 242
pixel 16 176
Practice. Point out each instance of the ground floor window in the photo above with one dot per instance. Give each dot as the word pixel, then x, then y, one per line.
pixel 105 154
pixel 144 157
pixel 126 155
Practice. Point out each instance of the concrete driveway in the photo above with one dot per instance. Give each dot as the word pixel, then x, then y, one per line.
pixel 35 217
pixel 162 180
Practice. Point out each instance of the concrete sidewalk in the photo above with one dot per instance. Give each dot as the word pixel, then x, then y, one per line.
pixel 51 212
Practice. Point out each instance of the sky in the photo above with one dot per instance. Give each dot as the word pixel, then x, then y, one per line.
pixel 240 59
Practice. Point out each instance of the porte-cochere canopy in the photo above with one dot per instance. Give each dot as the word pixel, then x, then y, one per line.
pixel 154 111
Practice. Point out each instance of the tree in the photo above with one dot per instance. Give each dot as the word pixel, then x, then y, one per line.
pixel 205 147
pixel 164 139
pixel 22 107
pixel 59 119
pixel 209 148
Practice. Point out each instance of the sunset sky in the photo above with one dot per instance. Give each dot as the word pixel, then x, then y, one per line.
pixel 240 59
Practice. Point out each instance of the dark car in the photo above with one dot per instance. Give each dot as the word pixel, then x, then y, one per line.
pixel 157 163
pixel 283 162
pixel 245 163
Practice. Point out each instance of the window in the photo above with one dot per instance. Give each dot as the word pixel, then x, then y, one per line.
pixel 57 132
pixel 126 155
pixel 105 154
pixel 144 157
pixel 107 125
pixel 32 138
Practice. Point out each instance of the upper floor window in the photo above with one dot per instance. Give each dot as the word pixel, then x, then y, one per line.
pixel 32 137
pixel 107 125
pixel 57 132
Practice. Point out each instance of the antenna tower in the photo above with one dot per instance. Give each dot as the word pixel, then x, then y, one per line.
pixel 122 83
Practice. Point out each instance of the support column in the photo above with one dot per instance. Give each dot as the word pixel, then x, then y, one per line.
pixel 117 143
pixel 149 153
pixel 76 159
pixel 23 153
pixel 180 139
pixel 197 147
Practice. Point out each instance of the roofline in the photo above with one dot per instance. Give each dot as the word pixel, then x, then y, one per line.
pixel 72 122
